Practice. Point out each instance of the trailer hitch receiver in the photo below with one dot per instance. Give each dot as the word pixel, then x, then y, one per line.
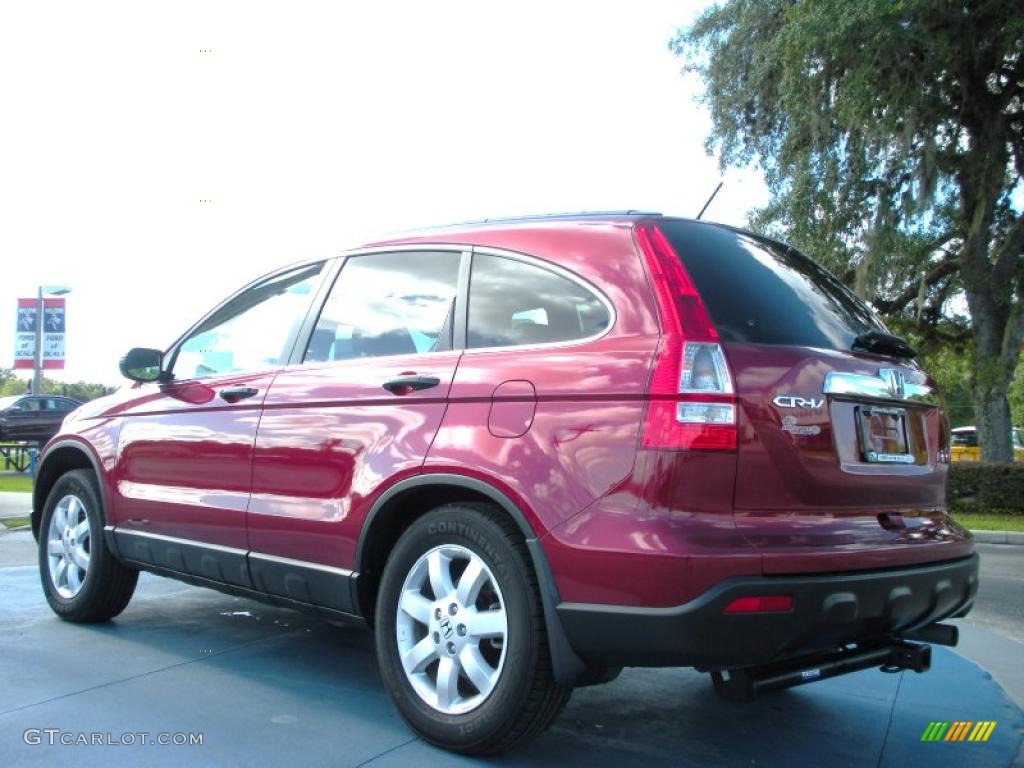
pixel 889 655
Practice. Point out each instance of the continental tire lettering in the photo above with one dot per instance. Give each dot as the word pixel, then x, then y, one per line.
pixel 466 532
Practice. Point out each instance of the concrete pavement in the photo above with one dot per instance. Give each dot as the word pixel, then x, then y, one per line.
pixel 14 504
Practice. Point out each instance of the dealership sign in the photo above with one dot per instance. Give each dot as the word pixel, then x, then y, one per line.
pixel 53 333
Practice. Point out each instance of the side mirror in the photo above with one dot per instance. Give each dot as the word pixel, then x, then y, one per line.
pixel 142 364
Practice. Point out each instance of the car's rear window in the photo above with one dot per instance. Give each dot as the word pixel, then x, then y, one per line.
pixel 761 292
pixel 966 439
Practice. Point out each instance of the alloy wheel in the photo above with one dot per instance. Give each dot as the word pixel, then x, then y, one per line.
pixel 452 629
pixel 69 542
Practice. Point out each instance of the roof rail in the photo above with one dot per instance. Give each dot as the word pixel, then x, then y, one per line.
pixel 544 216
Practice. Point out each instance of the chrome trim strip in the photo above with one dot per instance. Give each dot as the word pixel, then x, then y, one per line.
pixel 176 540
pixel 336 571
pixel 888 385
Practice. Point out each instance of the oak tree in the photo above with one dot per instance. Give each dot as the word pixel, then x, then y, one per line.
pixel 891 136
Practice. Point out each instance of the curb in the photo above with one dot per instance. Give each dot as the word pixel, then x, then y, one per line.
pixel 999 537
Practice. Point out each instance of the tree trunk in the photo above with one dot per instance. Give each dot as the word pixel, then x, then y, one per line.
pixel 990 271
pixel 996 352
pixel 992 418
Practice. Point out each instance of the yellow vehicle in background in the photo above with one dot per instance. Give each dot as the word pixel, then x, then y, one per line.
pixel 964 446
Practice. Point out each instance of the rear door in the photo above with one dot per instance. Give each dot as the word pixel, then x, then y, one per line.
pixel 356 411
pixel 54 409
pixel 839 453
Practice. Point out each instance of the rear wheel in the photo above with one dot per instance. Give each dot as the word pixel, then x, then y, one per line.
pixel 460 633
pixel 81 579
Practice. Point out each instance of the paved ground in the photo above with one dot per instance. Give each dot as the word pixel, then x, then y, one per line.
pixel 993 634
pixel 13 504
pixel 266 687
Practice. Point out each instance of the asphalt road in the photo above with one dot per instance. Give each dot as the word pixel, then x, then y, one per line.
pixel 267 686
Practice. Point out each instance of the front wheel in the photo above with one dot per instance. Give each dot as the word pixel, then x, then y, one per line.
pixel 81 579
pixel 460 633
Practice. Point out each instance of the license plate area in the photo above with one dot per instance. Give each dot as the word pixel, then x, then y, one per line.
pixel 884 437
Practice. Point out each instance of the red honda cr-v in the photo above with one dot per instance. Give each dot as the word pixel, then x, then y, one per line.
pixel 529 453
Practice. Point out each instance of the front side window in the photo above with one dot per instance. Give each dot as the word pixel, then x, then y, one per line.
pixel 253 331
pixel 512 303
pixel 388 304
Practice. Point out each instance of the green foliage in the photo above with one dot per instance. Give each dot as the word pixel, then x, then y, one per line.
pixel 981 521
pixel 1016 397
pixel 986 487
pixel 891 135
pixel 79 390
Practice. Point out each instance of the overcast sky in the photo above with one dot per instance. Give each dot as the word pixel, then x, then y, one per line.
pixel 310 127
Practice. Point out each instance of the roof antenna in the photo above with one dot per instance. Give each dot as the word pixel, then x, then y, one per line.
pixel 709 200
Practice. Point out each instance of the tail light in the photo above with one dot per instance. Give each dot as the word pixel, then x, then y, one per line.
pixel 691 399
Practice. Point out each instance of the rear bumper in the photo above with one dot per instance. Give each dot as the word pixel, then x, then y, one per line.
pixel 828 610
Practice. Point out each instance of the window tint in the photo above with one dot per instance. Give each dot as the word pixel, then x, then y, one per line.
pixel 254 330
pixel 761 292
pixel 28 404
pixel 512 302
pixel 388 304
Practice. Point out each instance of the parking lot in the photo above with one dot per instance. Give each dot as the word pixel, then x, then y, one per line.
pixel 269 686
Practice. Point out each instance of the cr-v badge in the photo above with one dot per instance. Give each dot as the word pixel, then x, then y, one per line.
pixel 791 401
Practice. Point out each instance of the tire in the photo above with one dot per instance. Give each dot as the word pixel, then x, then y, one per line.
pixel 523 699
pixel 70 537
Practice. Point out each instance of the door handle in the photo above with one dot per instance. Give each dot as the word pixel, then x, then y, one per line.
pixel 403 385
pixel 234 394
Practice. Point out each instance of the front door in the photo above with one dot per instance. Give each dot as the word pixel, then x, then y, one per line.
pixel 358 412
pixel 185 449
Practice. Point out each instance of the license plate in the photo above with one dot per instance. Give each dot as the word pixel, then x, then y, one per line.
pixel 883 435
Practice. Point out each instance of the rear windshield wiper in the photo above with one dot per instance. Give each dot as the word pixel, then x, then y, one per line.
pixel 883 343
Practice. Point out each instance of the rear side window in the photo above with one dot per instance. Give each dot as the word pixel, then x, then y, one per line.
pixel 761 292
pixel 512 302
pixel 388 304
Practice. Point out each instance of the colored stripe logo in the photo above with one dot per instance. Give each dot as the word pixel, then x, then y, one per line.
pixel 958 730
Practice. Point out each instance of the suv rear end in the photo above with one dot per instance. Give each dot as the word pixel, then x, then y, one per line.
pixel 788 495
